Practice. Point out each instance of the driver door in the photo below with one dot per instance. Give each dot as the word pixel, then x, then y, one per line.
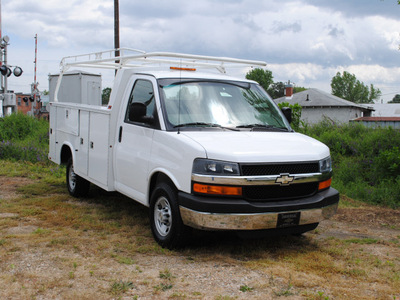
pixel 134 141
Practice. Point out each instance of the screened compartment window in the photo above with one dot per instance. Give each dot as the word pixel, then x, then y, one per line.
pixel 142 92
pixel 227 104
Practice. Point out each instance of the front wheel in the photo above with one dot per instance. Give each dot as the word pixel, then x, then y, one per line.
pixel 77 186
pixel 165 219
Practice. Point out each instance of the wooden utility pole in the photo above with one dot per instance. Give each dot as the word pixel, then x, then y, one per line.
pixel 116 30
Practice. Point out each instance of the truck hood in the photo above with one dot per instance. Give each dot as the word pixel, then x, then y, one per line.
pixel 248 146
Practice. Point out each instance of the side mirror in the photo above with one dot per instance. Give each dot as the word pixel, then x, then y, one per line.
pixel 287 112
pixel 137 113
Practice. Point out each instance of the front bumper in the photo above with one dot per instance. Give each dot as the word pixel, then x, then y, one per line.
pixel 237 214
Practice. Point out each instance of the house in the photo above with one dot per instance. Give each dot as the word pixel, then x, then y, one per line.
pixel 385 115
pixel 318 105
pixel 374 122
pixel 386 110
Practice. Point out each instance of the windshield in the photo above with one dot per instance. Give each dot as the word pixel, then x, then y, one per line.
pixel 232 105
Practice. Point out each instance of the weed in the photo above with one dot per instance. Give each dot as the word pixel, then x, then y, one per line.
pixel 120 287
pixel 364 241
pixel 41 231
pixel 166 274
pixel 71 275
pixel 285 291
pixel 245 288
pixel 138 269
pixel 321 296
pixel 177 296
pixel 124 260
pixel 163 287
pixel 219 297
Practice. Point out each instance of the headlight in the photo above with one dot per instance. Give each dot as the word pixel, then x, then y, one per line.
pixel 214 167
pixel 325 165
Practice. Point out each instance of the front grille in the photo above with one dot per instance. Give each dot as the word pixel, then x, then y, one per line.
pixel 276 169
pixel 279 192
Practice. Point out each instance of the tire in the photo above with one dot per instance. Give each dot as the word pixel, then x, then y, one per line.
pixel 165 219
pixel 76 185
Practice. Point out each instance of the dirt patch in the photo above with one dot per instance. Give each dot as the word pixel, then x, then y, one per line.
pixel 354 255
pixel 9 185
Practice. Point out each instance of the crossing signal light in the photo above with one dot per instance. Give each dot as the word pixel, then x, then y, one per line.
pixel 6 71
pixel 17 71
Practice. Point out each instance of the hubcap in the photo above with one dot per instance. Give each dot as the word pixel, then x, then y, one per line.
pixel 72 178
pixel 162 216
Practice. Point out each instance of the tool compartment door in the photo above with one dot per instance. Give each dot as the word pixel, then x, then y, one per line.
pixel 99 146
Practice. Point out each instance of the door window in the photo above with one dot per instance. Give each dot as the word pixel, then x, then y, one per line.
pixel 141 101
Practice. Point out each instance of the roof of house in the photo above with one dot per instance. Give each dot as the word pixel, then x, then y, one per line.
pixel 378 119
pixel 386 110
pixel 317 98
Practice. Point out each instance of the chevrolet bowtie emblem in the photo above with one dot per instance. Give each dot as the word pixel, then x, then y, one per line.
pixel 284 179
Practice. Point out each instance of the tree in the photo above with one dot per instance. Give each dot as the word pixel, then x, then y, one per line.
pixel 298 89
pixel 277 90
pixel 263 77
pixel 348 87
pixel 105 95
pixel 296 114
pixel 396 99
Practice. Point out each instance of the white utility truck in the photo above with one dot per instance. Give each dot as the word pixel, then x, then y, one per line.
pixel 199 148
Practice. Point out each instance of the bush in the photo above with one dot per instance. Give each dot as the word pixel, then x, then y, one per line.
pixel 366 161
pixel 296 114
pixel 23 138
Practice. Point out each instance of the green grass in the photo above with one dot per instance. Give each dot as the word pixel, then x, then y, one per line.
pixel 364 241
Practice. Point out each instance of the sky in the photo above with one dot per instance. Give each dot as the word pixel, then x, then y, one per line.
pixel 304 41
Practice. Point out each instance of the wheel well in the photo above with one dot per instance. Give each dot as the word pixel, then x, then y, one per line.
pixel 66 154
pixel 158 178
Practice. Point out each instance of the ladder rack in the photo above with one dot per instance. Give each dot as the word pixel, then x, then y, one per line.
pixel 133 58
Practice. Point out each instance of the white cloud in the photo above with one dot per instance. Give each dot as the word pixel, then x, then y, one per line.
pixel 305 41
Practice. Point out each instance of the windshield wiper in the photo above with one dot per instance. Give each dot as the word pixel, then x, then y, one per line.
pixel 203 124
pixel 255 127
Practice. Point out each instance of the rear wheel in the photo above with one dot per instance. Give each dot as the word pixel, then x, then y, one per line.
pixel 165 219
pixel 77 186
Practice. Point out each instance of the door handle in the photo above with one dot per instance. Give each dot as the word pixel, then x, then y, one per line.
pixel 120 134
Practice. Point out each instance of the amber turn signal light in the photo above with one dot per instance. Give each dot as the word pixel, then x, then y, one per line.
pixel 217 189
pixel 324 184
